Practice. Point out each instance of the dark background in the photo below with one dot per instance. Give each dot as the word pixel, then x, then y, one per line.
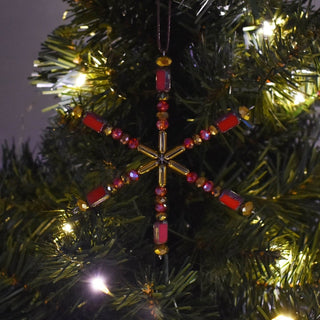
pixel 24 24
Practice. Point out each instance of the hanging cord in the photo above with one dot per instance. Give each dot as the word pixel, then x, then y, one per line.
pixel 165 49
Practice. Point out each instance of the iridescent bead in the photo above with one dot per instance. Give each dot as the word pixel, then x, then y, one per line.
pixel 125 138
pixel 133 175
pixel 208 186
pixel 161 207
pixel 116 133
pixel 160 191
pixel 205 134
pixel 188 143
pixel 192 177
pixel 118 183
pixel 133 143
pixel 162 124
pixel 162 106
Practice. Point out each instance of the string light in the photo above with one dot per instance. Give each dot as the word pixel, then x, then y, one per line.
pixel 299 98
pixel 282 317
pixel 98 284
pixel 67 228
pixel 80 80
pixel 267 28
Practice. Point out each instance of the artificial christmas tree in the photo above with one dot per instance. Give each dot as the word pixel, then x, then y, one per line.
pixel 179 178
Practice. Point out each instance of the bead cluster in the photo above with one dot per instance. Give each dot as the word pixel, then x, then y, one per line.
pixel 96 123
pixel 102 193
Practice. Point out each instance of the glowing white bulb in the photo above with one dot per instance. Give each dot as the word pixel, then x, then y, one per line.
pixel 299 98
pixel 98 284
pixel 67 228
pixel 80 80
pixel 267 28
pixel 282 317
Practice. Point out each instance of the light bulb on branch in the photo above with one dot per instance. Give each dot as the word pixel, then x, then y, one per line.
pixel 282 317
pixel 98 284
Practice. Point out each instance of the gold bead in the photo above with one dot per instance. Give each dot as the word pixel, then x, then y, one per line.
pixel 244 112
pixel 162 115
pixel 161 249
pixel 107 130
pixel 247 209
pixel 197 139
pixel 213 130
pixel 163 61
pixel 200 182
pixel 216 191
pixel 82 205
pixel 161 216
pixel 77 111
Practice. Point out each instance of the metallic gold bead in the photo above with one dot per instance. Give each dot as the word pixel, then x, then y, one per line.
pixel 77 111
pixel 107 130
pixel 161 249
pixel 197 139
pixel 82 205
pixel 213 130
pixel 247 209
pixel 161 216
pixel 163 61
pixel 244 113
pixel 216 191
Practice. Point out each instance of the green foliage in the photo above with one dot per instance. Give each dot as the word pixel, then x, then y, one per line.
pixel 221 264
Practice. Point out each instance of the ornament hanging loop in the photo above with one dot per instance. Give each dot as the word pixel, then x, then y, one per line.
pixel 163 50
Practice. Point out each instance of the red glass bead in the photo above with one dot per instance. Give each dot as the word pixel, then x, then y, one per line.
pixel 118 183
pixel 161 207
pixel 116 133
pixel 162 106
pixel 96 196
pixel 205 134
pixel 208 186
pixel 93 121
pixel 162 124
pixel 163 80
pixel 160 232
pixel 133 175
pixel 192 177
pixel 231 199
pixel 160 191
pixel 188 143
pixel 227 122
pixel 133 143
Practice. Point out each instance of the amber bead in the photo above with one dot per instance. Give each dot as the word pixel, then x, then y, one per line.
pixel 200 182
pixel 213 130
pixel 163 61
pixel 77 112
pixel 162 115
pixel 82 205
pixel 244 113
pixel 247 208
pixel 161 216
pixel 107 130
